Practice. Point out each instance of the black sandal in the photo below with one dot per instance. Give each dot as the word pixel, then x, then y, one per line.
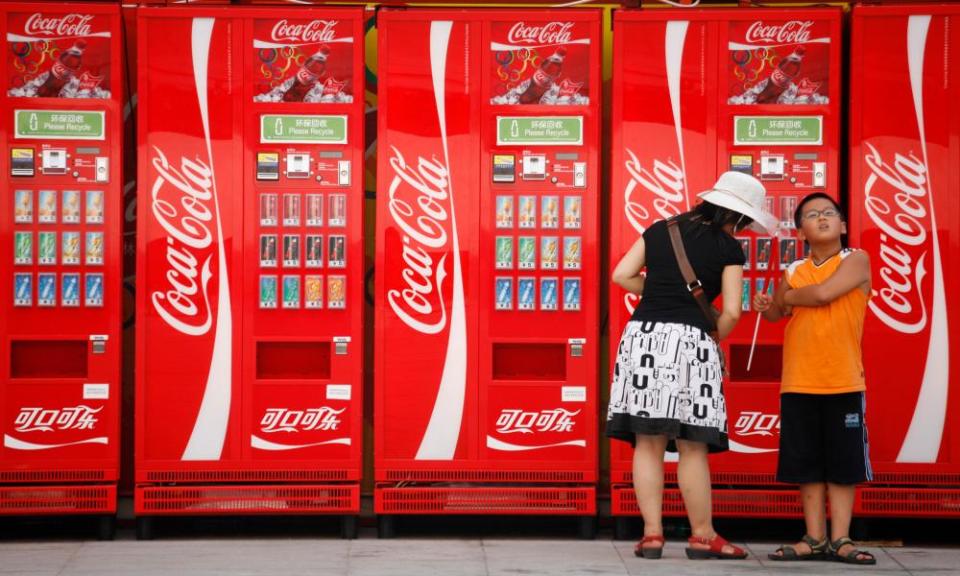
pixel 854 556
pixel 788 552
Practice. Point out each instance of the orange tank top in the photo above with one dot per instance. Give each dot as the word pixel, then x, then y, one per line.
pixel 821 347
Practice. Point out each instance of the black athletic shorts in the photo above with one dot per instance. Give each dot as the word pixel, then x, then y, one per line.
pixel 823 438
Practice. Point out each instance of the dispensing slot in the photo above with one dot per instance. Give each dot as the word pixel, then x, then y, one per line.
pixel 48 359
pixel 766 366
pixel 293 360
pixel 529 361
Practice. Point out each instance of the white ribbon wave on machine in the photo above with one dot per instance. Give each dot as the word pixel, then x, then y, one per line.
pixel 18 38
pixel 741 46
pixel 15 444
pixel 261 444
pixel 494 444
pixel 265 44
pixel 511 47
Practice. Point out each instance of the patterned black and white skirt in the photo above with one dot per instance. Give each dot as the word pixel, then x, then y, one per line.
pixel 668 380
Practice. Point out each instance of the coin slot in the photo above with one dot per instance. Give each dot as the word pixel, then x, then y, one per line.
pixel 529 361
pixel 293 360
pixel 48 359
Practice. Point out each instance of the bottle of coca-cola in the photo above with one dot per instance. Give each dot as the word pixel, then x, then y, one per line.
pixel 63 70
pixel 782 76
pixel 544 77
pixel 308 74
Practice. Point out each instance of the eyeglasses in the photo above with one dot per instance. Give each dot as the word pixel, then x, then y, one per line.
pixel 826 213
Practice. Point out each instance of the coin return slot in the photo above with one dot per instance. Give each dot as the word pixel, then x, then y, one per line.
pixel 766 367
pixel 48 359
pixel 293 360
pixel 522 361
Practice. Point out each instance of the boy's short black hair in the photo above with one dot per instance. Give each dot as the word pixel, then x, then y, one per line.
pixel 798 213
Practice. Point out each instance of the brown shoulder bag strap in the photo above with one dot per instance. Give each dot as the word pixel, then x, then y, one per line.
pixel 690 278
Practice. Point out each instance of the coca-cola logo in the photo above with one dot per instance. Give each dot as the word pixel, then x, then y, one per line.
pixel 757 424
pixel 311 32
pixel 32 419
pixel 333 86
pixel 569 88
pixel 185 216
pixel 792 32
pixel 549 33
pixel 893 200
pixel 66 25
pixel 286 420
pixel 662 189
pixel 527 422
pixel 89 81
pixel 418 203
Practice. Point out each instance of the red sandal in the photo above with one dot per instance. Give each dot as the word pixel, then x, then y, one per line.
pixel 716 545
pixel 651 553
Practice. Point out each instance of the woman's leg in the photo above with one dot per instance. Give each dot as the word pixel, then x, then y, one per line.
pixel 693 474
pixel 648 482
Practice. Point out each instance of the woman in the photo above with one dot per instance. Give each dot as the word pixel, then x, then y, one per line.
pixel 667 391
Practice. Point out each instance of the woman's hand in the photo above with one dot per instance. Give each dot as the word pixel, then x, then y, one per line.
pixel 731 286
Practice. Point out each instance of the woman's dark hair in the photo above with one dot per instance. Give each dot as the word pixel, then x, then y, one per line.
pixel 715 217
pixel 798 213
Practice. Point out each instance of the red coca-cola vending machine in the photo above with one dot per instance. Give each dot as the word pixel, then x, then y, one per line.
pixel 697 93
pixel 487 263
pixel 904 177
pixel 61 295
pixel 250 263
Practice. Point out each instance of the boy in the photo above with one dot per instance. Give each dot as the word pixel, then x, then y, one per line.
pixel 823 435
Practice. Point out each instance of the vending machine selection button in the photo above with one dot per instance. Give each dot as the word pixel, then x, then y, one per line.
pixel 580 174
pixel 504 168
pixel 343 172
pixel 54 161
pixel 819 174
pixel 298 165
pixel 103 168
pixel 22 162
pixel 534 167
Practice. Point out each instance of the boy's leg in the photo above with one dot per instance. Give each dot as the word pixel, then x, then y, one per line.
pixel 841 508
pixel 693 475
pixel 848 461
pixel 800 461
pixel 648 482
pixel 813 497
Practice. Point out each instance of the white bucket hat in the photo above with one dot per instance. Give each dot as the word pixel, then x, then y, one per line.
pixel 745 195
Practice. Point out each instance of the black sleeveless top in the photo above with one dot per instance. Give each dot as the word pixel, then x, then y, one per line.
pixel 665 296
